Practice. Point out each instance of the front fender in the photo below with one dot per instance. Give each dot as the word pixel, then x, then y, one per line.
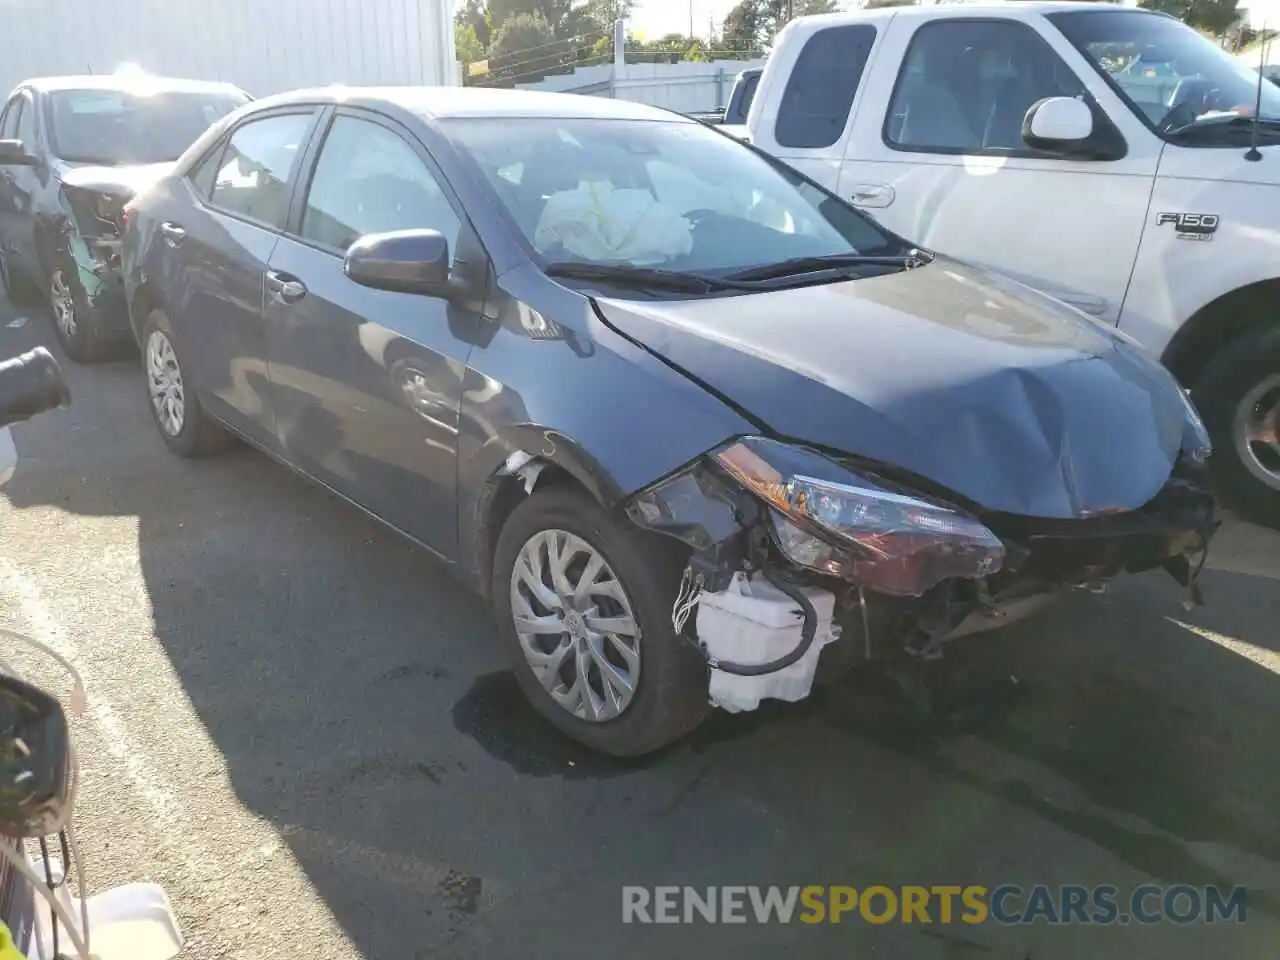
pixel 577 395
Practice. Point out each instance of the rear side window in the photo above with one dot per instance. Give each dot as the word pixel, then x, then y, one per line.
pixel 820 91
pixel 255 172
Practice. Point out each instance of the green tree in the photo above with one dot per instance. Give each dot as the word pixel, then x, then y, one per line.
pixel 467 46
pixel 810 8
pixel 525 49
pixel 1215 16
pixel 747 27
pixel 872 4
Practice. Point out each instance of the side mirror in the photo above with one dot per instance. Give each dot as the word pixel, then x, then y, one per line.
pixel 1060 125
pixel 13 153
pixel 37 786
pixel 407 261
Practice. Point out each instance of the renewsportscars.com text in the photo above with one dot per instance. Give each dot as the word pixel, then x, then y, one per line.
pixel 1006 904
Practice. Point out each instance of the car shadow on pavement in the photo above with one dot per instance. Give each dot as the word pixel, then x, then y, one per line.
pixel 358 698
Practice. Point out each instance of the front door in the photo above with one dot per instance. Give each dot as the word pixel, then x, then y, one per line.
pixel 18 187
pixel 944 164
pixel 367 383
pixel 213 254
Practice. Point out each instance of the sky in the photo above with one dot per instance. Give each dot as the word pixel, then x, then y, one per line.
pixel 652 18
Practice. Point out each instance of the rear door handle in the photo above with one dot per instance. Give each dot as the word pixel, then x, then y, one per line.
pixel 871 194
pixel 285 287
pixel 172 233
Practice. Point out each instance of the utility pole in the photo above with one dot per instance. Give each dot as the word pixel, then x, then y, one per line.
pixel 690 19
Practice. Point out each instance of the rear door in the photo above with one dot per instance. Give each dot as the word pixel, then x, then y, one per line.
pixel 367 383
pixel 806 123
pixel 936 155
pixel 213 251
pixel 18 186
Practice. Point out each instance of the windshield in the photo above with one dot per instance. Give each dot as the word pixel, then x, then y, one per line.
pixel 112 127
pixel 1171 75
pixel 667 195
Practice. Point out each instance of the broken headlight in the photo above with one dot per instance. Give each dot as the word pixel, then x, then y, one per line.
pixel 827 518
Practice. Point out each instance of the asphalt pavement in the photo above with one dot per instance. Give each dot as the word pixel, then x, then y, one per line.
pixel 303 728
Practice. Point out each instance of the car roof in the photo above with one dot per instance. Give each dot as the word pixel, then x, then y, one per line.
pixel 126 82
pixel 451 102
pixel 937 11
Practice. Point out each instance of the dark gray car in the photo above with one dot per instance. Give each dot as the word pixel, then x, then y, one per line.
pixel 73 150
pixel 613 367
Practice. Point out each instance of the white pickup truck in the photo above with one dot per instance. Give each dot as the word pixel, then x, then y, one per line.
pixel 1102 154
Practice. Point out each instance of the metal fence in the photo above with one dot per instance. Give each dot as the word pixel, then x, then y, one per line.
pixel 686 86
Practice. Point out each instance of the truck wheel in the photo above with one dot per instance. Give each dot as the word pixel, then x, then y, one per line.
pixel 1238 395
pixel 584 610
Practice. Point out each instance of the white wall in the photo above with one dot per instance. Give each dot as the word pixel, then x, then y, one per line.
pixel 265 46
pixel 684 86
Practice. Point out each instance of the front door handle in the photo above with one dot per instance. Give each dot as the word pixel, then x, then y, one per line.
pixel 285 287
pixel 173 234
pixel 871 194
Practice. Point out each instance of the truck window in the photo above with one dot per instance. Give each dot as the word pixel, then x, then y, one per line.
pixel 819 93
pixel 966 85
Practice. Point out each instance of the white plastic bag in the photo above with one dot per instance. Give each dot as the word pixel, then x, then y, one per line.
pixel 596 222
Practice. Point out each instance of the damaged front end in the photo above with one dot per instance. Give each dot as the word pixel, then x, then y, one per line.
pixel 91 237
pixel 792 550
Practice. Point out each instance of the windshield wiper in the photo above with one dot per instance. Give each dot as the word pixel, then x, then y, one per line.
pixel 638 277
pixel 1228 121
pixel 835 261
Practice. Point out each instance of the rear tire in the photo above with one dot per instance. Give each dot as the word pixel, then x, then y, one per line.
pixel 184 426
pixel 1246 480
pixel 669 697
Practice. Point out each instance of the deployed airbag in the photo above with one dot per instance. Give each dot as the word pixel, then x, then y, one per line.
pixel 595 222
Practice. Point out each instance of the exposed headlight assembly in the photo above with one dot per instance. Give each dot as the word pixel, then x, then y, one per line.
pixel 827 518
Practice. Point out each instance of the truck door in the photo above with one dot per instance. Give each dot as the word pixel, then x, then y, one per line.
pixel 805 123
pixel 936 154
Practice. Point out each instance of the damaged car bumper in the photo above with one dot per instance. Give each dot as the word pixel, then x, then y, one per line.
pixel 793 550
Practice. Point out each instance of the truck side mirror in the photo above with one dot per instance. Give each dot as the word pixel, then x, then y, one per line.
pixel 1055 122
pixel 1067 127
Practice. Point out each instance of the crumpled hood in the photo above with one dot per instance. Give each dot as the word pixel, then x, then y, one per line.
pixel 123 182
pixel 965 378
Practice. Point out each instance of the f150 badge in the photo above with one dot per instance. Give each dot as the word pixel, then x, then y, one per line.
pixel 1190 226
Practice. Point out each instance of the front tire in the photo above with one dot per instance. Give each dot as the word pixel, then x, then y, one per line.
pixel 73 320
pixel 184 426
pixel 1238 395
pixel 584 612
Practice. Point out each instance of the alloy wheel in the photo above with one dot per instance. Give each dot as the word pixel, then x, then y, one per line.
pixel 575 625
pixel 63 304
pixel 164 381
pixel 1256 430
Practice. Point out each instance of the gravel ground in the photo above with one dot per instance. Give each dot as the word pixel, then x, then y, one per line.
pixel 304 730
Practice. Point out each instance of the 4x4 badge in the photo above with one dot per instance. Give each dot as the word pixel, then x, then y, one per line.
pixel 1190 226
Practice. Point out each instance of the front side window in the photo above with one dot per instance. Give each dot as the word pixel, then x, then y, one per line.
pixel 369 180
pixel 1179 83
pixel 113 127
pixel 26 131
pixel 819 94
pixel 667 194
pixel 254 172
pixel 966 86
